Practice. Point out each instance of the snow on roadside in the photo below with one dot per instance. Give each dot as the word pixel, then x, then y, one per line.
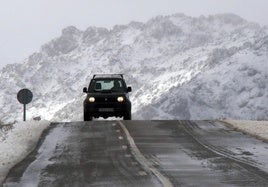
pixel 258 129
pixel 18 143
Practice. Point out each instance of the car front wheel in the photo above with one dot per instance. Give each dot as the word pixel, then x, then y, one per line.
pixel 127 116
pixel 87 117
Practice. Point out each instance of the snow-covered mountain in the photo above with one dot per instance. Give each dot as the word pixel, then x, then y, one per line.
pixel 179 67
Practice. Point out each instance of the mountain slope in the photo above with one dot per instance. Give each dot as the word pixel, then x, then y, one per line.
pixel 179 67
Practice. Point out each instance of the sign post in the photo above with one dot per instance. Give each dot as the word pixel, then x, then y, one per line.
pixel 24 96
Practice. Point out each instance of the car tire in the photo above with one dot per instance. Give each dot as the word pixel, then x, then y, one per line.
pixel 87 117
pixel 127 116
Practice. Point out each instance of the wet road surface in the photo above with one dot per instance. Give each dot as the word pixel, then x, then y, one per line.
pixel 143 153
pixel 202 153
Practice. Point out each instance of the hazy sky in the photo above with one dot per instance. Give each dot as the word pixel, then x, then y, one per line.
pixel 27 24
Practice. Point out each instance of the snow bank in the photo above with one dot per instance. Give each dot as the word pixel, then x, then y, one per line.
pixel 258 129
pixel 18 143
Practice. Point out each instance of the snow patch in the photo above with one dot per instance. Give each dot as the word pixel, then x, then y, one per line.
pixel 18 143
pixel 258 129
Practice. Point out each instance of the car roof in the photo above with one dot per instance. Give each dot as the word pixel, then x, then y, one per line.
pixel 120 76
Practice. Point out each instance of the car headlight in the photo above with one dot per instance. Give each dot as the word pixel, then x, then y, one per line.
pixel 91 99
pixel 120 99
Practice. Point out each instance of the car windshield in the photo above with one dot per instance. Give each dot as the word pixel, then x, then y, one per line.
pixel 107 85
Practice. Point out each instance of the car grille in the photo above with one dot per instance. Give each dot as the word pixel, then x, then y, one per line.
pixel 106 99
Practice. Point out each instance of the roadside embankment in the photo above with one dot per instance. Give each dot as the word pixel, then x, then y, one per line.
pixel 18 143
pixel 258 129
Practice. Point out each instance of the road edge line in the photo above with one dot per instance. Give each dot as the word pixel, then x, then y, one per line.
pixel 142 160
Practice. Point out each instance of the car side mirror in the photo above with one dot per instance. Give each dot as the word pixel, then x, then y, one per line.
pixel 129 89
pixel 85 89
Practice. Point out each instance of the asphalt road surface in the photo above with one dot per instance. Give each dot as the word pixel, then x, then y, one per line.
pixel 143 153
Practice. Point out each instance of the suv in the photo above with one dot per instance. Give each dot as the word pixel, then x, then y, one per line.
pixel 107 95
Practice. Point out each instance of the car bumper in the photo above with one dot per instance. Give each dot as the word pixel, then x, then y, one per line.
pixel 107 110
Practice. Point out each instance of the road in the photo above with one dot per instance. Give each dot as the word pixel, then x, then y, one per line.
pixel 143 153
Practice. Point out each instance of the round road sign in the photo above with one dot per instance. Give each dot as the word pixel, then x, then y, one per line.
pixel 25 96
